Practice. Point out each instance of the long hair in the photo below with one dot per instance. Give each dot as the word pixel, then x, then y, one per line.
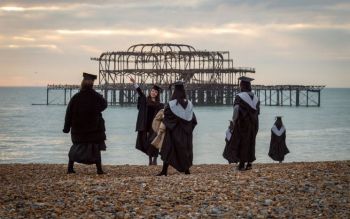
pixel 245 86
pixel 149 98
pixel 180 95
pixel 86 84
pixel 278 123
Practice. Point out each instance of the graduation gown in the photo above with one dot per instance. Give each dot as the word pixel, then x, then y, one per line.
pixel 241 146
pixel 84 120
pixel 147 111
pixel 278 148
pixel 177 148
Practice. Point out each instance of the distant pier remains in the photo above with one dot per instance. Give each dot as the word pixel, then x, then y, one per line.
pixel 211 78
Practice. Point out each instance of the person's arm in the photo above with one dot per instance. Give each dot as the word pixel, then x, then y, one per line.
pixel 137 87
pixel 68 118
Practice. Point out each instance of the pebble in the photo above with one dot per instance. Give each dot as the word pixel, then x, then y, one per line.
pixel 288 190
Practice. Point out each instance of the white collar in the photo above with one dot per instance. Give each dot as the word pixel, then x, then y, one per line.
pixel 179 111
pixel 277 132
pixel 246 98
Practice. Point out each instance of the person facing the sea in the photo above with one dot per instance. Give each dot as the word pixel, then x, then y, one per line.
pixel 245 123
pixel 179 120
pixel 84 120
pixel 278 148
pixel 148 108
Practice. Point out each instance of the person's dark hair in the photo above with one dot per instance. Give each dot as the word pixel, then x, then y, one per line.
pixel 86 84
pixel 278 123
pixel 180 95
pixel 245 86
pixel 149 98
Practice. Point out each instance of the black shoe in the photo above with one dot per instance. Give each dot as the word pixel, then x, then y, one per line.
pixel 249 166
pixel 70 171
pixel 187 172
pixel 100 172
pixel 241 167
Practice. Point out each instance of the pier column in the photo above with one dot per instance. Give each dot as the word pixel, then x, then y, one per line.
pixel 47 96
pixel 121 97
pixel 290 96
pixel 307 98
pixel 319 98
pixel 297 97
pixel 65 96
pixel 277 97
pixel 281 97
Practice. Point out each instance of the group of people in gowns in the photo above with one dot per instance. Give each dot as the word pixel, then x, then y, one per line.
pixel 84 120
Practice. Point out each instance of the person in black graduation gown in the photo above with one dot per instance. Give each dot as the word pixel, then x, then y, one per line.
pixel 179 120
pixel 241 147
pixel 148 108
pixel 278 148
pixel 84 120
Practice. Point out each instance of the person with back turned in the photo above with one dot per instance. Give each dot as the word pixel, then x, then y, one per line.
pixel 179 120
pixel 245 123
pixel 84 121
pixel 278 148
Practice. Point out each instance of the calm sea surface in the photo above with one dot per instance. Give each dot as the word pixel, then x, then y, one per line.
pixel 34 133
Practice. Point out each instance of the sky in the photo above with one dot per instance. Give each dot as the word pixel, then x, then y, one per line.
pixel 287 42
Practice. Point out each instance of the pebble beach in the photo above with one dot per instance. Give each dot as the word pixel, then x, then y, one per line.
pixel 289 190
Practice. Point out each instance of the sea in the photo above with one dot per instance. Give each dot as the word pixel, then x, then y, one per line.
pixel 33 133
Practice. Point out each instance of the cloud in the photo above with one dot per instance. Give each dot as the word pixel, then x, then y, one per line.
pixel 23 9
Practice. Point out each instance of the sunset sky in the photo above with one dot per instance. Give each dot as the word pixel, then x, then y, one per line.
pixel 288 42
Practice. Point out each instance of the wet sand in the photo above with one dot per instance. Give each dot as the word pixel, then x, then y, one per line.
pixel 301 190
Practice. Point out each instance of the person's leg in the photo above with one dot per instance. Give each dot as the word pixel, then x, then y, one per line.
pixel 249 166
pixel 99 168
pixel 99 164
pixel 150 160
pixel 164 171
pixel 241 165
pixel 70 167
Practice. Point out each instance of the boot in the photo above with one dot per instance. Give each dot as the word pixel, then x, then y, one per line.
pixel 150 160
pixel 70 167
pixel 99 168
pixel 187 172
pixel 164 171
pixel 241 166
pixel 249 166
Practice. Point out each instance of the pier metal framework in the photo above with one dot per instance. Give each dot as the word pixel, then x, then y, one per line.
pixel 210 77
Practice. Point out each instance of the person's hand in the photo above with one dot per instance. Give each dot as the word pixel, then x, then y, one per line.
pixel 132 79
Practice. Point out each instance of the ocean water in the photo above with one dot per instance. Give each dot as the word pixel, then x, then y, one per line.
pixel 33 133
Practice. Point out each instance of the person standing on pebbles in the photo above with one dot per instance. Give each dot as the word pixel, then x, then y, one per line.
pixel 180 121
pixel 84 120
pixel 148 108
pixel 278 147
pixel 241 147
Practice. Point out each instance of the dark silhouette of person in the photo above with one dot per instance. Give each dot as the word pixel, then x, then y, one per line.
pixel 180 121
pixel 245 123
pixel 278 148
pixel 148 108
pixel 87 127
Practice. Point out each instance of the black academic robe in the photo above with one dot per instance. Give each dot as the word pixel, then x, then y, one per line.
pixel 84 117
pixel 278 148
pixel 177 148
pixel 147 111
pixel 241 147
pixel 84 120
